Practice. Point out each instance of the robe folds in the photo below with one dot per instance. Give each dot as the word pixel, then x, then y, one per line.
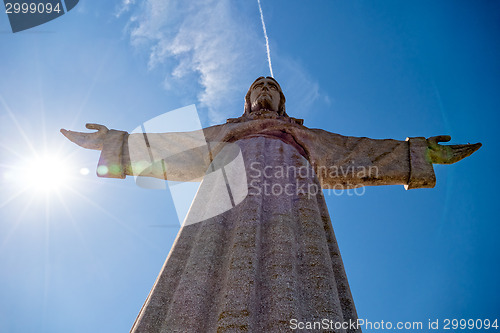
pixel 257 251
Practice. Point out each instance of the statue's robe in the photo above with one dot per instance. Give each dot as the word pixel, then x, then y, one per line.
pixel 252 257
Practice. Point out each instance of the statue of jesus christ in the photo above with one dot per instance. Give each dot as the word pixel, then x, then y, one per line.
pixel 257 251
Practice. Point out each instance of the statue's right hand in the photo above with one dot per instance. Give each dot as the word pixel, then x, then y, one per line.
pixel 93 140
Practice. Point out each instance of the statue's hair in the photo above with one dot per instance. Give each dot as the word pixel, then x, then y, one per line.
pixel 281 106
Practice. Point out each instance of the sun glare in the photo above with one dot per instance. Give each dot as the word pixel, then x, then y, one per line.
pixel 46 173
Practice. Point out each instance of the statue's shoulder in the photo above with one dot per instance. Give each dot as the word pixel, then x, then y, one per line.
pixel 323 132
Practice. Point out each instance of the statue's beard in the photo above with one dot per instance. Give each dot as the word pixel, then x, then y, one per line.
pixel 263 103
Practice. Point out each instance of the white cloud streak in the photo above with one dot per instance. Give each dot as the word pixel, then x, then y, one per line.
pixel 208 49
pixel 267 39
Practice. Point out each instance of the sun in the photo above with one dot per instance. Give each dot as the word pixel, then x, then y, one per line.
pixel 42 173
pixel 47 173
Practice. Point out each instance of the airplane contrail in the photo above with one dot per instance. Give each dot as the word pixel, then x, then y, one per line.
pixel 267 40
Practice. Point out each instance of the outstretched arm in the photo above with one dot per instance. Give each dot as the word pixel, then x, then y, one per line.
pixel 180 156
pixel 346 162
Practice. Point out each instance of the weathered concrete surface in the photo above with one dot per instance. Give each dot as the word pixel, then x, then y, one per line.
pixel 270 259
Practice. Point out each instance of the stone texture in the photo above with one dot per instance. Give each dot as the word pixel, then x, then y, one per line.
pixel 268 260
pixel 422 171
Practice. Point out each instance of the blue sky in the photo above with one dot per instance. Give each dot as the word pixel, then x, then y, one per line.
pixel 84 256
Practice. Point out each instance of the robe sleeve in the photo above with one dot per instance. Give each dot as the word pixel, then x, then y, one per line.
pixel 178 156
pixel 348 162
pixel 111 162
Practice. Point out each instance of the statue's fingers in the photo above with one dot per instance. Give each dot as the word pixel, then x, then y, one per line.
pixel 85 140
pixel 75 137
pixel 68 134
pixel 466 148
pixel 439 138
pixel 460 152
pixel 443 138
pixel 96 127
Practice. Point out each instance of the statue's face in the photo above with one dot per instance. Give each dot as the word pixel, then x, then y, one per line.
pixel 265 95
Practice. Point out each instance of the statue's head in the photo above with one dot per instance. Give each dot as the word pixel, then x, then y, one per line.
pixel 265 94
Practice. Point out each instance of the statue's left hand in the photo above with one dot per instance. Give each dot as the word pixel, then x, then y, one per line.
pixel 94 140
pixel 440 154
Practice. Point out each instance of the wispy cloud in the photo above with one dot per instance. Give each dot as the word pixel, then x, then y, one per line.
pixel 124 7
pixel 209 45
pixel 211 49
